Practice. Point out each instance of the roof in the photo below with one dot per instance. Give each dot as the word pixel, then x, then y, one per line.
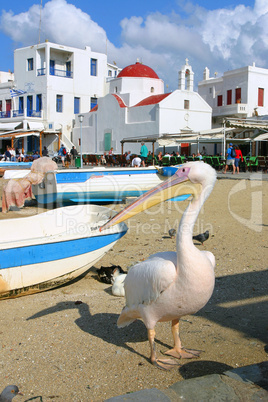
pixel 138 70
pixel 152 100
pixel 119 100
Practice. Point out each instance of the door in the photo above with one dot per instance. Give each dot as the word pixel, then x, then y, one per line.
pixel 29 105
pixel 52 67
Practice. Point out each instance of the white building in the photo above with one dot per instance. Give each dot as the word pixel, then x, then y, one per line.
pixel 137 106
pixel 240 93
pixel 58 83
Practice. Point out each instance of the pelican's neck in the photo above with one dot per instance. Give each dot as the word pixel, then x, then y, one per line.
pixel 185 232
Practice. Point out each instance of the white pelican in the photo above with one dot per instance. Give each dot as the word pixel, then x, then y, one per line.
pixel 170 285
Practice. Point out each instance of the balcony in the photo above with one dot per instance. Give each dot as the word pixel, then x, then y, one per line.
pixel 236 109
pixel 56 72
pixel 21 114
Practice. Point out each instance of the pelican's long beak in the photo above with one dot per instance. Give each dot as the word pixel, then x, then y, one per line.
pixel 177 185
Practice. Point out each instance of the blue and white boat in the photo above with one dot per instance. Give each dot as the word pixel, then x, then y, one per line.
pixel 47 250
pixel 98 184
pixel 15 165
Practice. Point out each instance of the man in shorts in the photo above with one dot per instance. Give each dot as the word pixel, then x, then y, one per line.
pixel 143 153
pixel 229 160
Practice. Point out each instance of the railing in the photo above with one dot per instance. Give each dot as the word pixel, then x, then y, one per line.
pixel 16 113
pixel 34 113
pixel 4 115
pixel 236 108
pixel 20 113
pixel 55 72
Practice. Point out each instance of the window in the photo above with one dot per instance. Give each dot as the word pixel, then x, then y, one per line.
pixel 186 104
pixel 238 95
pixel 260 96
pixel 59 103
pixel 30 64
pixel 152 89
pixel 115 89
pixel 229 97
pixel 93 67
pixel 210 90
pixel 1 106
pixel 219 100
pixel 109 73
pixel 76 105
pixel 93 102
pixel 38 102
pixel 115 73
pixel 21 104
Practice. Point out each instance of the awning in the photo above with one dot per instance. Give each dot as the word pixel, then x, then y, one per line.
pixel 9 126
pixel 253 124
pixel 261 137
pixel 18 134
pixel 205 136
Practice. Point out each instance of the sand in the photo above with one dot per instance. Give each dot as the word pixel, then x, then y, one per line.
pixel 64 344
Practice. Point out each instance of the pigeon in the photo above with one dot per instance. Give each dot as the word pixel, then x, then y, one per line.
pixel 202 237
pixel 172 233
pixel 9 393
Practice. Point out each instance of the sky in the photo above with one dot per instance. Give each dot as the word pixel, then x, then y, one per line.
pixel 221 35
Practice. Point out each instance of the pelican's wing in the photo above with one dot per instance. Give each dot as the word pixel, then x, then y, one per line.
pixel 147 280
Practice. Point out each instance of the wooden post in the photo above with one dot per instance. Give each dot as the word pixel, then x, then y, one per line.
pixel 59 140
pixel 122 148
pixel 40 142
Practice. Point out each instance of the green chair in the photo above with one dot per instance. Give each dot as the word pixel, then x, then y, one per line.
pixel 173 160
pixel 253 163
pixel 209 160
pixel 166 161
pixel 217 163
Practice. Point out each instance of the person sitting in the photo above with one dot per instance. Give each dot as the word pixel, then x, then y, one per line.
pixel 7 154
pixel 36 155
pixel 128 157
pixel 199 156
pixel 159 158
pixel 21 157
pixel 103 159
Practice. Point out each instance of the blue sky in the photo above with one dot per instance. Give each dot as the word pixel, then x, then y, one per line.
pixel 220 35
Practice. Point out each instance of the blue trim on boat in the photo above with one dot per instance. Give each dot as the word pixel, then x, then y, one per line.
pixel 37 254
pixel 83 176
pixel 16 164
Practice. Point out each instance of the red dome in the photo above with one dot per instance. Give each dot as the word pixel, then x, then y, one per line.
pixel 138 70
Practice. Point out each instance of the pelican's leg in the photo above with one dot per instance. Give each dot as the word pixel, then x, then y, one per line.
pixel 165 364
pixel 179 352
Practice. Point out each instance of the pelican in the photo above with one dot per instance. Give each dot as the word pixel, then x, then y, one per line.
pixel 170 285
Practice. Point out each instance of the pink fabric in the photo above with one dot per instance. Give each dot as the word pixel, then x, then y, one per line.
pixel 16 191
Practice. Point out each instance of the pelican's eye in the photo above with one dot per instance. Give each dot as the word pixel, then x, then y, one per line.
pixel 183 170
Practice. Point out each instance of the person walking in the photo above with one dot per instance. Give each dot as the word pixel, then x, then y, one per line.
pixel 238 155
pixel 74 154
pixel 230 158
pixel 143 153
pixel 62 154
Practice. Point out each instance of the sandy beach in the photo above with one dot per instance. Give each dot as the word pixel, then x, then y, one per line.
pixel 64 344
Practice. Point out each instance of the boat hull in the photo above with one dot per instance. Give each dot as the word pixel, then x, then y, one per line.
pixel 53 256
pixel 96 185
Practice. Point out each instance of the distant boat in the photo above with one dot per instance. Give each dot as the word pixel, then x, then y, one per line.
pixel 15 165
pixel 50 249
pixel 98 184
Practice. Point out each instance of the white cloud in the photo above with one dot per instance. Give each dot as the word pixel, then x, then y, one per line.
pixel 222 39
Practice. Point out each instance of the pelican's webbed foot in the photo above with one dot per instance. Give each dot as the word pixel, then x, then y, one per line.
pixel 182 353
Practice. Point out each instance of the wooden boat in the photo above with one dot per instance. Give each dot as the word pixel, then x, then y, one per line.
pixel 47 250
pixel 98 184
